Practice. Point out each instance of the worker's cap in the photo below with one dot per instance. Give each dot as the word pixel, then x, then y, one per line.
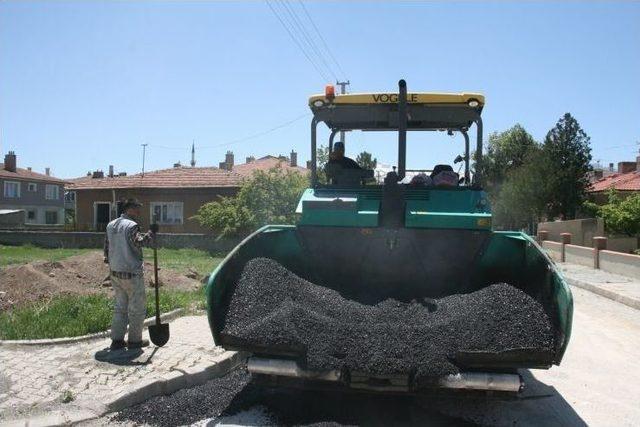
pixel 131 203
pixel 338 145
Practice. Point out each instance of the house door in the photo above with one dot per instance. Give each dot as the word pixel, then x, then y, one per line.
pixel 103 215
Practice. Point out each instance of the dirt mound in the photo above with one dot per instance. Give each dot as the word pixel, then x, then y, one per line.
pixel 273 308
pixel 78 275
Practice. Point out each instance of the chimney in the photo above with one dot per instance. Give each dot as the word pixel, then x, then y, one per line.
pixel 97 174
pixel 110 171
pixel 122 174
pixel 89 173
pixel 610 167
pixel 252 159
pixel 177 165
pixel 222 165
pixel 626 167
pixel 29 168
pixel 294 159
pixel 228 159
pixel 47 171
pixel 10 161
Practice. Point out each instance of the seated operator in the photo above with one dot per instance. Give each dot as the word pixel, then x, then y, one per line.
pixel 444 176
pixel 337 157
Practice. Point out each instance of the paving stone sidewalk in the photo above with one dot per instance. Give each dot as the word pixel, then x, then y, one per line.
pixel 623 289
pixel 87 378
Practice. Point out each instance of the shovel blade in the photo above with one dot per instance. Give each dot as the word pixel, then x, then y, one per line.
pixel 159 334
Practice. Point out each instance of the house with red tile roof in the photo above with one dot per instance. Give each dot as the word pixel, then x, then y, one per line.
pixel 625 182
pixel 39 196
pixel 171 196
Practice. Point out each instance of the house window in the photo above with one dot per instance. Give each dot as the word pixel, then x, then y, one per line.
pixel 70 196
pixel 51 217
pixel 31 215
pixel 11 189
pixel 32 186
pixel 52 192
pixel 166 212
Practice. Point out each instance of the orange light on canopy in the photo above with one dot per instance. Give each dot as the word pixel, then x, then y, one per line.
pixel 329 92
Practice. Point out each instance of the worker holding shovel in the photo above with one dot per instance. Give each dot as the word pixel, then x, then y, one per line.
pixel 123 252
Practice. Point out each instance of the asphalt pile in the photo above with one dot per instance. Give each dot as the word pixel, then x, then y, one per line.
pixel 273 308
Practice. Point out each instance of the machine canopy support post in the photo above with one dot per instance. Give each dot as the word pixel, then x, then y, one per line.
pixel 467 179
pixel 402 129
pixel 477 176
pixel 314 175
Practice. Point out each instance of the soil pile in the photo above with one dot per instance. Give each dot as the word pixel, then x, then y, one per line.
pixel 272 307
pixel 78 275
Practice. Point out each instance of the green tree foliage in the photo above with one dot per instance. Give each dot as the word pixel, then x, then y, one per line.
pixel 268 197
pixel 506 151
pixel 621 215
pixel 366 161
pixel 567 149
pixel 513 178
pixel 522 199
pixel 322 157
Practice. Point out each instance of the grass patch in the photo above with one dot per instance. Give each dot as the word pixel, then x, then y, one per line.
pixel 27 253
pixel 182 260
pixel 69 316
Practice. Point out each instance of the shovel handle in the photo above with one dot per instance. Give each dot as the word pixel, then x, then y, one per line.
pixel 154 228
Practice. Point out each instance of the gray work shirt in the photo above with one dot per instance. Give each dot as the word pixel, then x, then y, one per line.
pixel 123 245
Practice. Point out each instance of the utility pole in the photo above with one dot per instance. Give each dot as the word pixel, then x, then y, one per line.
pixel 342 92
pixel 144 152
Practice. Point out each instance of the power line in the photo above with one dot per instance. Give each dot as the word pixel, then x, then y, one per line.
pixel 307 37
pixel 324 43
pixel 259 134
pixel 295 40
pixel 239 140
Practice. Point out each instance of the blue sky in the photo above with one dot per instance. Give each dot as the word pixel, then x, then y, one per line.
pixel 82 85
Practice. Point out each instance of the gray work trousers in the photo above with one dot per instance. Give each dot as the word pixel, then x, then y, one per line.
pixel 130 307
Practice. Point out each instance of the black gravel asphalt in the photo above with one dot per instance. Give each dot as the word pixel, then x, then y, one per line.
pixel 230 396
pixel 271 306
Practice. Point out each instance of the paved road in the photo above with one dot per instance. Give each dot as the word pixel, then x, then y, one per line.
pixel 597 384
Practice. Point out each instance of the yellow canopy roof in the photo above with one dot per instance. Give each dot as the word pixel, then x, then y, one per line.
pixel 392 98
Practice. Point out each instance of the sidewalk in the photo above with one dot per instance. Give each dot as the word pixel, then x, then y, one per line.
pixel 623 289
pixel 59 384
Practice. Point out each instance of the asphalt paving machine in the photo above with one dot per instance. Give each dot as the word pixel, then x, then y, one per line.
pixel 403 241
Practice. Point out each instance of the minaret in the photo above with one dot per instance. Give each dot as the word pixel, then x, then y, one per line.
pixel 193 154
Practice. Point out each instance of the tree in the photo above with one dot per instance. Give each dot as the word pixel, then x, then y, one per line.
pixel 365 161
pixel 567 149
pixel 268 197
pixel 513 178
pixel 506 151
pixel 322 157
pixel 621 215
pixel 523 196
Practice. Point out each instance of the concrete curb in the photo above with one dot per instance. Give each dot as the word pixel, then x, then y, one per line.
pixel 69 340
pixel 630 302
pixel 171 383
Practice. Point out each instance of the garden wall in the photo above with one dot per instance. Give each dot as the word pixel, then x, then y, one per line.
pixel 80 239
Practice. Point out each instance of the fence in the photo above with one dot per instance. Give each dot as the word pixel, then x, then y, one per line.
pixel 80 239
pixel 596 256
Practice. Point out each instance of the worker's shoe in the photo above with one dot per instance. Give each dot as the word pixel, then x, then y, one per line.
pixel 138 344
pixel 117 345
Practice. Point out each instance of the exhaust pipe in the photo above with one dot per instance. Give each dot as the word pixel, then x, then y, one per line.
pixel 288 368
pixel 483 381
